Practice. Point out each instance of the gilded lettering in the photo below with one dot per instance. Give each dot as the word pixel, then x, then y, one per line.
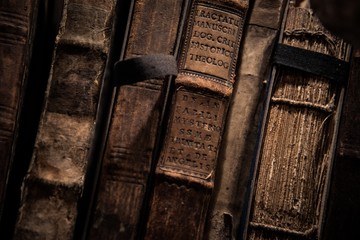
pixel 177 119
pixel 209 60
pixel 212 49
pixel 201 156
pixel 225 41
pixel 192 133
pixel 217 17
pixel 202 35
pixel 212 42
pixel 207 137
pixel 216 27
pixel 195 133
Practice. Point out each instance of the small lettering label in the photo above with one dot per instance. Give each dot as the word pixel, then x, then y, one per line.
pixel 194 135
pixel 212 41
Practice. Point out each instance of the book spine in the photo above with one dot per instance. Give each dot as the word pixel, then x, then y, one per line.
pixel 54 182
pixel 17 24
pixel 187 163
pixel 343 208
pixel 239 140
pixel 299 137
pixel 131 141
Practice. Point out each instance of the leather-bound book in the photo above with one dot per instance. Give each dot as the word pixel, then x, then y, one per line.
pixel 300 129
pixel 17 25
pixel 53 185
pixel 117 209
pixel 186 166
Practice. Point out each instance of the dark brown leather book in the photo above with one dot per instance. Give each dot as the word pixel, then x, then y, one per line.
pixel 17 25
pixel 241 127
pixel 299 136
pixel 155 29
pixel 53 186
pixel 186 168
pixel 342 213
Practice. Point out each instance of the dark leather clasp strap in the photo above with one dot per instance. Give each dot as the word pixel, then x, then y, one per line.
pixel 311 62
pixel 147 67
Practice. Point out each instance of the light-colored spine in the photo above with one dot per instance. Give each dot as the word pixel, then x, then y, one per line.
pixel 239 141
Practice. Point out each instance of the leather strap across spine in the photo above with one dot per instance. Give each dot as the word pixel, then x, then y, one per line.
pixel 147 67
pixel 311 62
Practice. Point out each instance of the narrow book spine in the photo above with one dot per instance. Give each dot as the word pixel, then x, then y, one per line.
pixel 239 141
pixel 53 186
pixel 299 138
pixel 17 23
pixel 134 125
pixel 342 213
pixel 187 163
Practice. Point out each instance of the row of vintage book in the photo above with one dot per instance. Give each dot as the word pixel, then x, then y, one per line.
pixel 255 138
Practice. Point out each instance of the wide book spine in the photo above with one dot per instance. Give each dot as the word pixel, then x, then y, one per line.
pixel 134 124
pixel 299 136
pixel 54 182
pixel 186 167
pixel 17 24
pixel 241 127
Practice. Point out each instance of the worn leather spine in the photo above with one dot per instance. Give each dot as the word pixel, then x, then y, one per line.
pixel 342 214
pixel 239 141
pixel 186 167
pixel 17 25
pixel 54 182
pixel 299 137
pixel 135 120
